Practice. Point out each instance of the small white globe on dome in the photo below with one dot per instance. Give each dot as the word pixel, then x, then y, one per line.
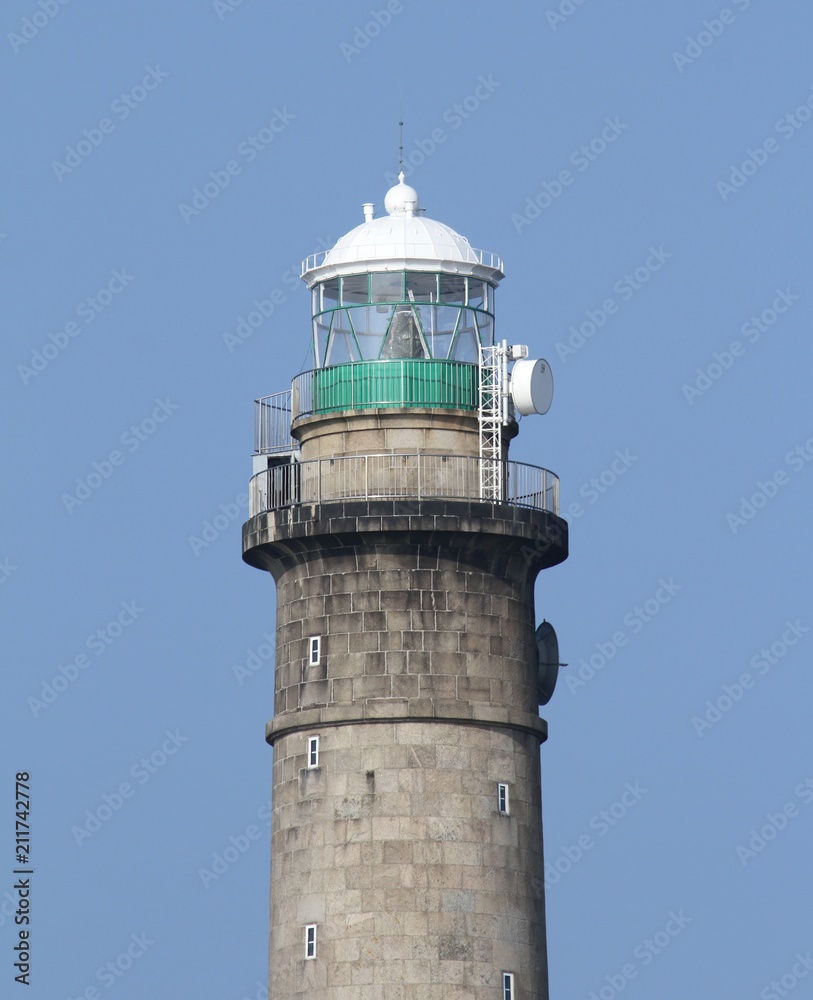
pixel 401 199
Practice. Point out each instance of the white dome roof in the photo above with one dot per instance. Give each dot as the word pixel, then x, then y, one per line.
pixel 404 238
pixel 400 236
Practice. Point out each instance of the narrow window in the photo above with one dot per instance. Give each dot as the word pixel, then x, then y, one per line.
pixel 508 986
pixel 502 797
pixel 314 644
pixel 310 941
pixel 313 751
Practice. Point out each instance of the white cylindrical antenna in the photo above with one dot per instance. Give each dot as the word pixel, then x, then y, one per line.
pixel 368 208
pixel 531 386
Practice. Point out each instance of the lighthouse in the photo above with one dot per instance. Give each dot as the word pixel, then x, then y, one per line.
pixel 406 853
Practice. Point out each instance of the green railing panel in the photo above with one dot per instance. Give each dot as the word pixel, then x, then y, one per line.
pixel 361 385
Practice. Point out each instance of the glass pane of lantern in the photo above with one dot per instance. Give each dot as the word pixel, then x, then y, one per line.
pixel 476 293
pixel 421 287
pixel 447 317
pixel 369 340
pixel 321 326
pixel 465 344
pixel 354 289
pixel 452 289
pixel 370 345
pixel 387 287
pixel 340 320
pixel 465 347
pixel 485 325
pixel 342 346
pixel 371 319
pixel 330 293
pixel 436 338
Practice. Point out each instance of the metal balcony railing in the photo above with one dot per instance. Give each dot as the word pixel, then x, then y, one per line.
pixel 272 424
pixel 407 477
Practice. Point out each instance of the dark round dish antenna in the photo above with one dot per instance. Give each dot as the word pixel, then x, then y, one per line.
pixel 547 662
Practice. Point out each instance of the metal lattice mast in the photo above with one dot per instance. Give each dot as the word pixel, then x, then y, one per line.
pixel 490 421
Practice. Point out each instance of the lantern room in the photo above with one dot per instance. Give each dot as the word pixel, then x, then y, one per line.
pixel 401 287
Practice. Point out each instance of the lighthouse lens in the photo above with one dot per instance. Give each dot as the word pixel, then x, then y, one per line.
pixel 404 339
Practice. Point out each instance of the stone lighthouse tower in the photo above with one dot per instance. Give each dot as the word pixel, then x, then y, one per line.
pixel 407 827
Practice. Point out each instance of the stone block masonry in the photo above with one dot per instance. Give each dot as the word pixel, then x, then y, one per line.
pixel 423 699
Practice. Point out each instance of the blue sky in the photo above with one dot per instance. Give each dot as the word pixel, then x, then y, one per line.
pixel 641 169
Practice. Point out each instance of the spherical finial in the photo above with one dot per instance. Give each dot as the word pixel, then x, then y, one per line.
pixel 401 199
